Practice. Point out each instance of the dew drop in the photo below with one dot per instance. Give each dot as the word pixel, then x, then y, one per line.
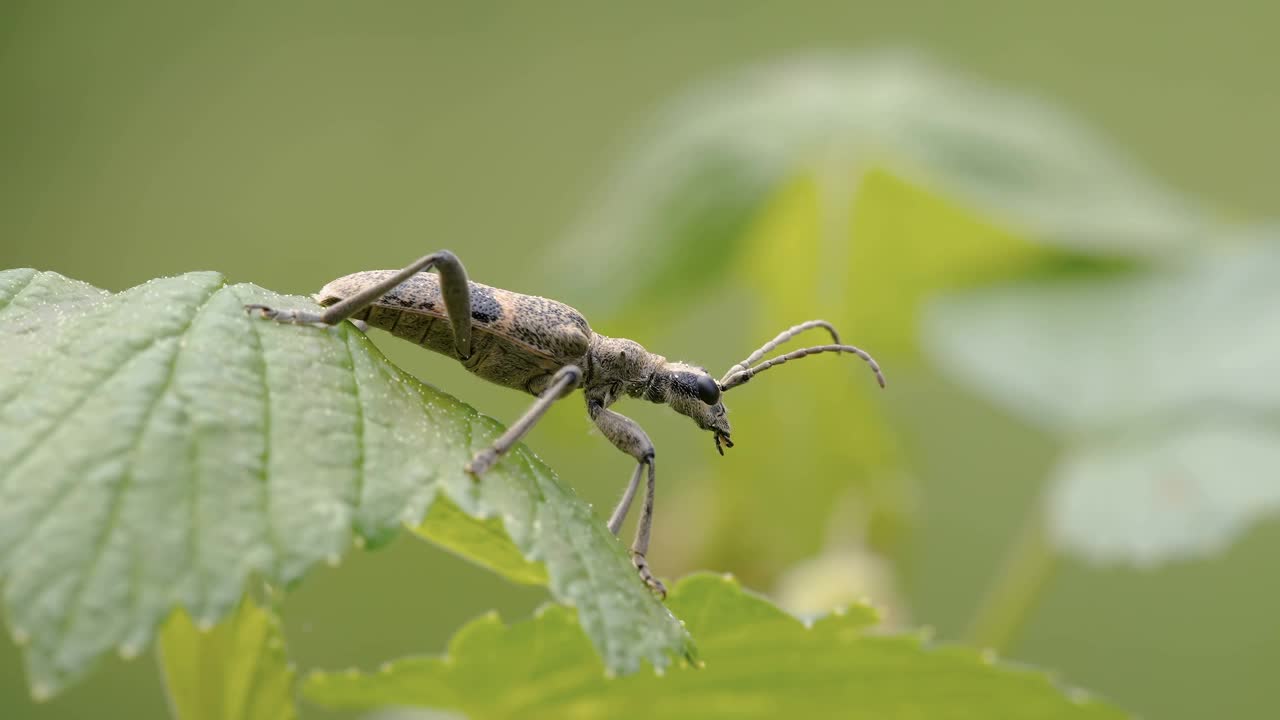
pixel 205 625
pixel 333 559
pixel 989 656
pixel 129 650
pixel 41 692
pixel 21 637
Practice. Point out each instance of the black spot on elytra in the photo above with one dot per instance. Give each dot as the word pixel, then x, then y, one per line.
pixel 483 307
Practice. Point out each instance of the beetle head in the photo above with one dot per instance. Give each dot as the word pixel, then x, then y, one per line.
pixel 691 391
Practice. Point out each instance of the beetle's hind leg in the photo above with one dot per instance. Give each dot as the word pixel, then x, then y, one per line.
pixel 453 285
pixel 562 383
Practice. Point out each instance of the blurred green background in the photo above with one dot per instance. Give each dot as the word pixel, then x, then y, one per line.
pixel 288 143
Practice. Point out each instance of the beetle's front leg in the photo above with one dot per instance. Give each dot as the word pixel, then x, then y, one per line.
pixel 631 439
pixel 453 285
pixel 562 383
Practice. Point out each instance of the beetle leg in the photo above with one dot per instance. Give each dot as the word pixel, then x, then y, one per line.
pixel 624 505
pixel 630 438
pixel 562 383
pixel 453 285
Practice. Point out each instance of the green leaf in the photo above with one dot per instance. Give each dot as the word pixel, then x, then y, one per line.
pixel 1077 355
pixel 1148 497
pixel 237 670
pixel 482 540
pixel 1161 384
pixel 160 446
pixel 850 189
pixel 759 663
pixel 863 251
pixel 866 250
pixel 673 219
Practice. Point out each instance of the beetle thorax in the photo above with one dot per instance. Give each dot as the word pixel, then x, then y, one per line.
pixel 621 365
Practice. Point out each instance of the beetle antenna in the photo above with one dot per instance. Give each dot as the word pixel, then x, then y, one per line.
pixel 737 377
pixel 783 336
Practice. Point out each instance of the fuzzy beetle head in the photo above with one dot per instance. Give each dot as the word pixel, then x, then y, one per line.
pixel 691 391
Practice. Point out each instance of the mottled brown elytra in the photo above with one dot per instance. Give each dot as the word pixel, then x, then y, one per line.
pixel 547 349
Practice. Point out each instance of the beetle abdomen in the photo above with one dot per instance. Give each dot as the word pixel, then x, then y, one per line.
pixel 415 311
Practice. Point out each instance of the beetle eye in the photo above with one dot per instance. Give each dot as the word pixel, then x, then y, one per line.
pixel 708 390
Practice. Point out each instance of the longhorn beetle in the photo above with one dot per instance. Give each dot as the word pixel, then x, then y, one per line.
pixel 547 349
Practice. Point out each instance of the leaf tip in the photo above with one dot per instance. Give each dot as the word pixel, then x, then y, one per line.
pixel 129 650
pixel 1079 696
pixel 41 692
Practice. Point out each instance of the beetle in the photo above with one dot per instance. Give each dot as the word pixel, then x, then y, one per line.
pixel 547 349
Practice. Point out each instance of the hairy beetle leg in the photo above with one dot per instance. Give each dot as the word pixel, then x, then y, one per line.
pixel 292 317
pixel 642 566
pixel 563 382
pixel 481 463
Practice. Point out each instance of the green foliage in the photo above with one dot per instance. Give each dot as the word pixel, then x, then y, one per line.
pixel 1161 384
pixel 864 252
pixel 160 446
pixel 235 671
pixel 759 662
pixel 853 189
pixel 674 218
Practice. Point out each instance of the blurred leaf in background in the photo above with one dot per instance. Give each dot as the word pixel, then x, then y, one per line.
pixel 1159 384
pixel 673 220
pixel 851 189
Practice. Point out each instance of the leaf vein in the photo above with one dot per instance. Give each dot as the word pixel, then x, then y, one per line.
pixel 122 487
pixel 357 497
pixel 4 303
pixel 25 452
pixel 272 536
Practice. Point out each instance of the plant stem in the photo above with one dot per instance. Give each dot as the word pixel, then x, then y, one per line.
pixel 1027 568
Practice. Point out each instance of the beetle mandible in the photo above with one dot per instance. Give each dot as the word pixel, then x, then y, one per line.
pixel 547 349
